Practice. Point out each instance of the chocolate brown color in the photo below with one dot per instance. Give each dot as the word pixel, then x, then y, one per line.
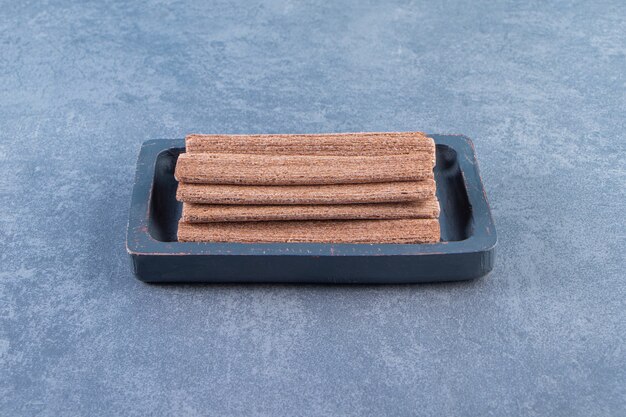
pixel 301 170
pixel 328 231
pixel 202 213
pixel 385 192
pixel 336 144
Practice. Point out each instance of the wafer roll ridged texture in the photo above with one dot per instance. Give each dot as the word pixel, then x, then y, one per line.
pixel 337 144
pixel 385 192
pixel 203 213
pixel 328 231
pixel 298 169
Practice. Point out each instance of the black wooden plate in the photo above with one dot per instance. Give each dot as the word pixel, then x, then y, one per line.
pixel 466 250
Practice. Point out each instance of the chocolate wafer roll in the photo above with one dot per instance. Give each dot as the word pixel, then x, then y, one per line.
pixel 386 192
pixel 301 170
pixel 337 144
pixel 328 231
pixel 205 213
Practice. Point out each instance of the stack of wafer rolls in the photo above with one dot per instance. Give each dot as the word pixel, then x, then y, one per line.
pixel 324 188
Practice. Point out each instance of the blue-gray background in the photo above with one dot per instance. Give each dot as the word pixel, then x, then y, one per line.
pixel 541 90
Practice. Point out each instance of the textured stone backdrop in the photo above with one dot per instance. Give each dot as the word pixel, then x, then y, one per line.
pixel 539 87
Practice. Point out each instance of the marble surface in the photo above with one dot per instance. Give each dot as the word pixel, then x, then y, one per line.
pixel 539 87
